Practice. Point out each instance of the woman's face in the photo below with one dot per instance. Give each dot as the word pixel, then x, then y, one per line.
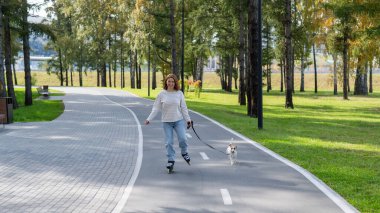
pixel 170 83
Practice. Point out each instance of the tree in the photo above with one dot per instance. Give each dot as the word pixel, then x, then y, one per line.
pixel 365 48
pixel 288 53
pixel 242 51
pixel 173 40
pixel 343 10
pixel 26 50
pixel 253 48
pixel 355 21
pixel 2 76
pixel 8 58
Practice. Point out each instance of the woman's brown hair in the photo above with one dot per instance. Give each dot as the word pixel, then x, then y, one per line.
pixel 174 77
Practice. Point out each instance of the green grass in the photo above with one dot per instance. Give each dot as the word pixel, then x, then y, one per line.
pixel 41 110
pixel 336 140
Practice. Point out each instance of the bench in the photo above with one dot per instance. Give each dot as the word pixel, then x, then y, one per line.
pixel 2 118
pixel 43 91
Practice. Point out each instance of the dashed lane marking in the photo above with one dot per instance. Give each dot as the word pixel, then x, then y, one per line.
pixel 204 156
pixel 226 197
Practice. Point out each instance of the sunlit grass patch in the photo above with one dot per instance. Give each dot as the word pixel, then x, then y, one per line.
pixel 40 110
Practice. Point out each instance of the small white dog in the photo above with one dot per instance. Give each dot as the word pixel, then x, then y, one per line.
pixel 231 151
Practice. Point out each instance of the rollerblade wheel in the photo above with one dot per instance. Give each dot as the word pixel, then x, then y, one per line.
pixel 170 166
pixel 170 170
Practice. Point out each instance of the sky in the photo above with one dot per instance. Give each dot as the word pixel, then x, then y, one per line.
pixel 40 12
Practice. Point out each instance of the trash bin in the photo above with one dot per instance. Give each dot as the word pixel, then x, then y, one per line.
pixel 6 108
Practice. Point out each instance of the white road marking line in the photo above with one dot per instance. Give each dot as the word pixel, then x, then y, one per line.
pixel 226 197
pixel 127 191
pixel 188 135
pixel 204 156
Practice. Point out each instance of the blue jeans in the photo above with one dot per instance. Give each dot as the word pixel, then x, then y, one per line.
pixel 180 129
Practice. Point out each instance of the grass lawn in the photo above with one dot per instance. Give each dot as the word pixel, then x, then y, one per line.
pixel 336 140
pixel 41 110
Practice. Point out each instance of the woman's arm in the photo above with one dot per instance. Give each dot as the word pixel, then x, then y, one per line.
pixel 184 110
pixel 155 109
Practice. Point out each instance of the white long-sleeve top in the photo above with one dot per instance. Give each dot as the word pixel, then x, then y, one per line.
pixel 172 106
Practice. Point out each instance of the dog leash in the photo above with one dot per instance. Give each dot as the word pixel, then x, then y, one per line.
pixel 192 126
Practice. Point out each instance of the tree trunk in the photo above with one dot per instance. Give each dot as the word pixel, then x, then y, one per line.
pixel 137 71
pixel 226 73
pixel 103 66
pixel 361 86
pixel 335 75
pixel 60 66
pixel 370 76
pixel 253 48
pixel 131 70
pixel 241 56
pixel 154 70
pixel 194 66
pixel 59 17
pixel 109 64
pixel 14 71
pixel 109 74
pixel 220 73
pixel 348 71
pixel 302 85
pixel 345 63
pixel 230 70
pixel 97 76
pixel 282 75
pixel 122 63
pixel 255 60
pixel 80 68
pixel 139 82
pixel 199 69
pixel 293 67
pixel 114 70
pixel 315 70
pixel 67 75
pixel 3 92
pixel 288 55
pixel 26 50
pixel 104 74
pixel 246 60
pixel 293 43
pixel 71 75
pixel 173 40
pixel 115 62
pixel 269 63
pixel 80 74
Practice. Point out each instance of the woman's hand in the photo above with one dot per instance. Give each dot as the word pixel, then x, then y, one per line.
pixel 146 122
pixel 189 124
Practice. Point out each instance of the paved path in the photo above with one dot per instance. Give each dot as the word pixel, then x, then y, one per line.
pixel 97 158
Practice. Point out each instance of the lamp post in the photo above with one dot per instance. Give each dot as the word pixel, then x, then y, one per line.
pixel 149 65
pixel 260 71
pixel 183 48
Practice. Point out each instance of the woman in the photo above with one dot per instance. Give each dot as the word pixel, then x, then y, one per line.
pixel 171 103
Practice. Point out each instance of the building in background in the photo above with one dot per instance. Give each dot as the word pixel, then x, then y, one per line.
pixel 212 64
